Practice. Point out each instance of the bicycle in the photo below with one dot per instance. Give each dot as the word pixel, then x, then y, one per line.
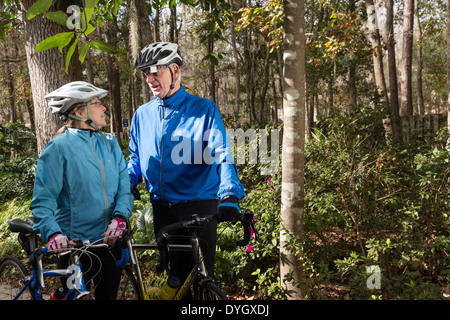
pixel 198 283
pixel 17 284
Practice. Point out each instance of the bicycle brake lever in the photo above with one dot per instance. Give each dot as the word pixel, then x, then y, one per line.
pixel 252 224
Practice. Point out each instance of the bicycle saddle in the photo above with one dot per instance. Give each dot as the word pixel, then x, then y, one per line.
pixel 18 225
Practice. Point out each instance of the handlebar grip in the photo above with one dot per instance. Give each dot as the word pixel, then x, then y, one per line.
pixel 247 234
pixel 122 262
pixel 247 224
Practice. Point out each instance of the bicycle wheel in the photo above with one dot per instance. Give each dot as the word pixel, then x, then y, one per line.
pixel 128 287
pixel 209 291
pixel 12 280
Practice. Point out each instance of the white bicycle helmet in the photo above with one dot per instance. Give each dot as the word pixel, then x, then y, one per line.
pixel 158 54
pixel 72 93
pixel 63 98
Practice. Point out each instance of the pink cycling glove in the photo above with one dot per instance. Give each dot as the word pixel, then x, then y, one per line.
pixel 57 242
pixel 115 228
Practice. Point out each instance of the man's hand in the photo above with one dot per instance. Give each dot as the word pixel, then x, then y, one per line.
pixel 228 209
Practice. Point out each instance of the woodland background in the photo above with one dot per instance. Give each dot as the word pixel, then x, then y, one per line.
pixel 376 177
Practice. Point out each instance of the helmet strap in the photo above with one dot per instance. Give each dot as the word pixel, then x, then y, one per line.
pixel 172 85
pixel 88 120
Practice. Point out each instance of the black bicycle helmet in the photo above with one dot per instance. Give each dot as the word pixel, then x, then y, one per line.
pixel 158 54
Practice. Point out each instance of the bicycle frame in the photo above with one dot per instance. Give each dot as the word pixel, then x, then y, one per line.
pixel 199 268
pixel 134 247
pixel 74 273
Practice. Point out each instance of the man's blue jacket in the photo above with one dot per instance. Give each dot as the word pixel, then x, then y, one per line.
pixel 180 147
pixel 81 184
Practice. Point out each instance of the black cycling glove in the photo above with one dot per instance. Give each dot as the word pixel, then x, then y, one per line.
pixel 135 192
pixel 228 209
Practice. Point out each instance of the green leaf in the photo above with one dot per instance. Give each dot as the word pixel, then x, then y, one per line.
pixel 82 51
pixel 70 53
pixel 38 7
pixel 211 58
pixel 58 16
pixel 90 4
pixel 90 28
pixel 59 40
pixel 100 45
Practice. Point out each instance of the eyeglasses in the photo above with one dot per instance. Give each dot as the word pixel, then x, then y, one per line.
pixel 154 71
pixel 98 102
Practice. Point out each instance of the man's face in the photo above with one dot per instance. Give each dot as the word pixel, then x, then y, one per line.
pixel 159 79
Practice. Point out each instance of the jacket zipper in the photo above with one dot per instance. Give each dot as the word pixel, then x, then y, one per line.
pixel 162 150
pixel 104 182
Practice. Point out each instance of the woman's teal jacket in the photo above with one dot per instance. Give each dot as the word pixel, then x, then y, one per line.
pixel 81 184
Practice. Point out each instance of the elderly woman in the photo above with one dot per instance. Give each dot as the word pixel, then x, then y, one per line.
pixel 82 189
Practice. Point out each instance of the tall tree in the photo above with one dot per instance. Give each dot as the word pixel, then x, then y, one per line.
pixel 292 194
pixel 140 36
pixel 392 67
pixel 419 87
pixel 237 89
pixel 46 70
pixel 406 107
pixel 448 72
pixel 113 74
pixel 377 54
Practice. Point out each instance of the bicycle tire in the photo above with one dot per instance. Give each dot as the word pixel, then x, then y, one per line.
pixel 129 288
pixel 12 279
pixel 209 291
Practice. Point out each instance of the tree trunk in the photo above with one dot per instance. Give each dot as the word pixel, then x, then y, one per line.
pixel 393 84
pixel 448 72
pixel 377 53
pixel 212 72
pixel 351 83
pixel 292 196
pixel 262 98
pixel 420 103
pixel 173 31
pixel 113 75
pixel 237 73
pixel 406 106
pixel 11 94
pixel 156 34
pixel 139 26
pixel 46 70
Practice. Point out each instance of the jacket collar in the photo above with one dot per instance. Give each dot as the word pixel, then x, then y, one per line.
pixel 175 99
pixel 82 133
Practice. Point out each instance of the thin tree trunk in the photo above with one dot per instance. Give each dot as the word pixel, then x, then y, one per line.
pixel 113 75
pixel 393 81
pixel 406 105
pixel 237 73
pixel 351 83
pixel 212 72
pixel 448 72
pixel 156 33
pixel 11 94
pixel 420 103
pixel 292 196
pixel 262 98
pixel 377 53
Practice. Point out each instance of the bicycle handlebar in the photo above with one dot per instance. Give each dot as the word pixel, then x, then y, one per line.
pixel 246 220
pixel 39 253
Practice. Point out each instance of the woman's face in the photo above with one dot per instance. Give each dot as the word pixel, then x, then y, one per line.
pixel 97 114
